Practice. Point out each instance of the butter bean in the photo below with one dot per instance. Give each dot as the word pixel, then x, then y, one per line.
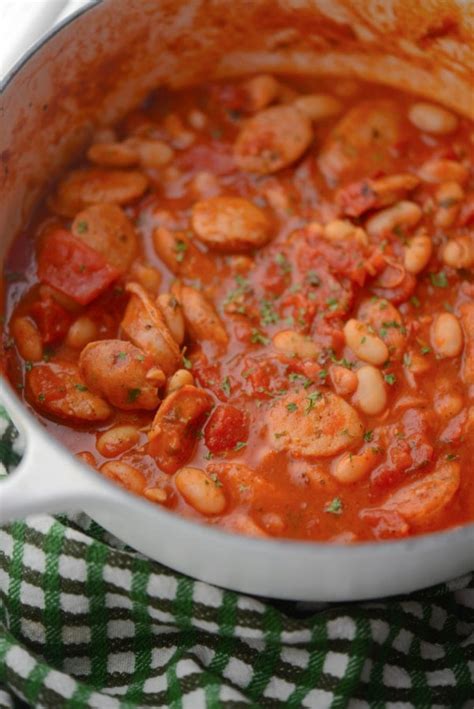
pixel 370 395
pixel 446 335
pixel 366 345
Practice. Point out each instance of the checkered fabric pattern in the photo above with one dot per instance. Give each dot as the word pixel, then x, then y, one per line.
pixel 87 622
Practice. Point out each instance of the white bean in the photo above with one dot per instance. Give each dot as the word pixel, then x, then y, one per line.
pixel 353 467
pixel 156 494
pixel 147 276
pixel 200 491
pixel 417 253
pixel 293 344
pixel 82 331
pixel 173 315
pixel 458 252
pixel 181 378
pixel 446 335
pixel 117 440
pixel 112 155
pixel 447 405
pixel 443 170
pixel 197 119
pixel 125 475
pixel 342 229
pixel 318 106
pixel 152 153
pixel 432 119
pixel 27 339
pixel 402 214
pixel 261 91
pixel 370 395
pixel 365 344
pixel 449 196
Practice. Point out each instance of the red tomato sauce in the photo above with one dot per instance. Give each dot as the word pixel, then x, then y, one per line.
pixel 257 309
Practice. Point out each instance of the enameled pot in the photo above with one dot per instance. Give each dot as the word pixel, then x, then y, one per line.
pixel 92 70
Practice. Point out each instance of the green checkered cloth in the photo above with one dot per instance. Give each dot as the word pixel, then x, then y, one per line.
pixel 88 622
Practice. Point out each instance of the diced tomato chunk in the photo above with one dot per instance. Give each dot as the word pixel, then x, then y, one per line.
pixel 73 268
pixel 226 428
pixel 53 321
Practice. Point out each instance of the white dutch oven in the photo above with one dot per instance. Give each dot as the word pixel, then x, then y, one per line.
pixel 91 71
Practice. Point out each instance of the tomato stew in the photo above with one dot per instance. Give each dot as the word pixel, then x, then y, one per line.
pixel 253 303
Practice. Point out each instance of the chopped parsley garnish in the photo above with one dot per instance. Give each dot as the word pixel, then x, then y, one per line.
pixel 292 407
pixel 334 507
pixel 257 338
pixel 187 363
pixel 283 262
pixel 439 280
pixel 225 386
pixel 208 455
pixel 180 248
pixel 82 387
pixel 451 456
pixel 368 436
pixel 82 227
pixel 323 374
pixel 268 314
pixel 237 293
pixel 41 397
pixel 28 366
pixel 300 378
pixel 425 349
pixel 390 378
pixel 312 399
pixel 133 395
pixel 332 304
pixel 240 445
pixel 215 480
pixel 415 301
pixel 122 356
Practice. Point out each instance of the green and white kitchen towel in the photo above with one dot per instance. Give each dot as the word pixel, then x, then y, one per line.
pixel 87 622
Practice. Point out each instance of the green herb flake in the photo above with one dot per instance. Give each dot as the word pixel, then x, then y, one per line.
pixel 82 227
pixel 215 480
pixel 187 363
pixel 312 399
pixel 368 436
pixel 415 301
pixel 268 314
pixel 292 407
pixel 122 356
pixel 332 304
pixel 439 280
pixel 225 386
pixel 133 395
pixel 241 444
pixel 82 387
pixel 180 248
pixel 41 397
pixel 451 456
pixel 390 378
pixel 257 338
pixel 425 349
pixel 323 374
pixel 208 455
pixel 334 507
pixel 28 366
pixel 283 262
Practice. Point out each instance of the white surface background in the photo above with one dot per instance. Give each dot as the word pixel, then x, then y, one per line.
pixel 22 22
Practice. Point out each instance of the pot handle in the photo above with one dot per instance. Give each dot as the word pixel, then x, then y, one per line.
pixel 46 479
